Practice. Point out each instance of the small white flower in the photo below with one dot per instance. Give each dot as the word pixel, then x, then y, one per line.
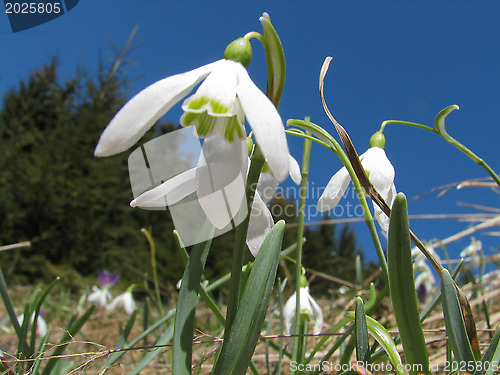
pixel 380 173
pixel 219 106
pixel 420 260
pixel 41 325
pixel 126 300
pixel 424 282
pixel 101 297
pixel 473 251
pixel 308 307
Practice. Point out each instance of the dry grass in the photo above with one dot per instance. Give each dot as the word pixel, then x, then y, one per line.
pixel 90 349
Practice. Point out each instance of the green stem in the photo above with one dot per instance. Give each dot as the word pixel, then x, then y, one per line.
pixel 414 124
pixel 450 140
pixel 474 157
pixel 152 246
pixel 254 34
pixel 298 257
pixel 240 238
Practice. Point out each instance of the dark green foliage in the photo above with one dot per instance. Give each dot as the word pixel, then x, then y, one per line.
pixel 72 206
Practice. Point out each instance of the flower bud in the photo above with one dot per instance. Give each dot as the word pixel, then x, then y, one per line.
pixel 239 50
pixel 250 145
pixel 377 140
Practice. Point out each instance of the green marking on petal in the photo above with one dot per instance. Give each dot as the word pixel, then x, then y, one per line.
pixel 218 108
pixel 198 103
pixel 233 129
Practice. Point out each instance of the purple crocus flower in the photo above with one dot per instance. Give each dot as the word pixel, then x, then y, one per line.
pixel 105 278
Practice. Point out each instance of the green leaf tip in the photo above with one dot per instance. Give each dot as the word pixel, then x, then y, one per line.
pixel 439 120
pixel 275 57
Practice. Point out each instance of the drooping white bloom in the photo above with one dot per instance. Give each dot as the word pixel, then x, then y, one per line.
pixel 308 307
pixel 380 173
pixel 473 251
pixel 217 111
pixel 101 297
pixel 41 325
pixel 219 106
pixel 180 186
pixel 126 300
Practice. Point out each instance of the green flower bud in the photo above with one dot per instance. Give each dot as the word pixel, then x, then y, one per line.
pixel 377 140
pixel 250 145
pixel 303 281
pixel 239 50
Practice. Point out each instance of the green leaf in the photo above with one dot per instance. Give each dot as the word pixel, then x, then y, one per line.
pixel 362 342
pixel 385 340
pixel 402 288
pixel 239 345
pixel 188 299
pixel 491 358
pixel 439 121
pixel 455 326
pixel 162 341
pixel 123 339
pixel 73 329
pixel 275 57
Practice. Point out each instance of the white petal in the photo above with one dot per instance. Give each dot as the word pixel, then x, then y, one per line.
pixel 381 171
pixel 168 193
pixel 147 107
pixel 289 313
pixel 220 88
pixel 295 172
pixel 261 222
pixel 266 187
pixel 334 190
pixel 266 123
pixel 318 316
pixel 220 178
pixel 41 326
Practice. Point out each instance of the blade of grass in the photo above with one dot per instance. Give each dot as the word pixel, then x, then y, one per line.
pixel 402 288
pixel 362 342
pixel 186 306
pixel 455 326
pixel 239 345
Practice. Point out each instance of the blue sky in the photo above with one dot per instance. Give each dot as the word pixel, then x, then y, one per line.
pixel 392 60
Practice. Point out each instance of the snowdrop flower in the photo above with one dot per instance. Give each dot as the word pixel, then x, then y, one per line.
pixel 217 112
pixel 380 173
pixel 41 325
pixel 309 309
pixel 219 107
pixel 126 300
pixel 101 297
pixel 473 251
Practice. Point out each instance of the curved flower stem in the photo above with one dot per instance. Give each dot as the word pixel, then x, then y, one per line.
pixel 297 354
pixel 474 157
pixel 414 124
pixel 240 238
pixel 451 141
pixel 254 34
pixel 152 246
